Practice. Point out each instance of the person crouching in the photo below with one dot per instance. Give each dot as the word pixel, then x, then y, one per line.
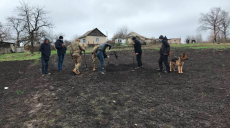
pixel 102 55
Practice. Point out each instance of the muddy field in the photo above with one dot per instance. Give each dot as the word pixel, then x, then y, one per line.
pixel 198 98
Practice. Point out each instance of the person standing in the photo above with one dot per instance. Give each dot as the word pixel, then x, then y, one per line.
pixel 76 49
pixel 138 52
pixel 45 56
pixel 61 51
pixel 102 55
pixel 164 53
pixel 94 55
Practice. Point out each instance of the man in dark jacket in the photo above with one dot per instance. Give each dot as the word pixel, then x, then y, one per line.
pixel 45 56
pixel 164 53
pixel 138 51
pixel 102 55
pixel 61 51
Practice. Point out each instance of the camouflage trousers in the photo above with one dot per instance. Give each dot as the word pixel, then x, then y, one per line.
pixel 94 59
pixel 77 61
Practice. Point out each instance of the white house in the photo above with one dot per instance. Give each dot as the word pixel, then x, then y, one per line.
pixel 121 41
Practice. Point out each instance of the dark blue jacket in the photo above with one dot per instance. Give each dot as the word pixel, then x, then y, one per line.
pixel 45 50
pixel 60 50
pixel 137 46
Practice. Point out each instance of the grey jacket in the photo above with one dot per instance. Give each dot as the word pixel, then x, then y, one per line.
pixel 103 46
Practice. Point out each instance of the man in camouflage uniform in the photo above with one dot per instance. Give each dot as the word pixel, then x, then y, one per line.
pixel 94 55
pixel 75 51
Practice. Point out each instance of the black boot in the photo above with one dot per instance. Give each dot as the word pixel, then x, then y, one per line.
pixel 167 71
pixel 159 70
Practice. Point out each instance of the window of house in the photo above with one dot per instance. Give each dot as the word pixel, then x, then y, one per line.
pixel 97 39
pixel 84 40
pixel 175 40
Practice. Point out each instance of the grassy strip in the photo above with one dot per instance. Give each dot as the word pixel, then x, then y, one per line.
pixel 37 55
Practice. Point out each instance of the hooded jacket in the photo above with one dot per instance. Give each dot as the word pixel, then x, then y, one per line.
pixel 45 50
pixel 165 47
pixel 60 50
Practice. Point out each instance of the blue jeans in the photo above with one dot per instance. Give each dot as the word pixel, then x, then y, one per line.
pixel 101 58
pixel 60 61
pixel 45 64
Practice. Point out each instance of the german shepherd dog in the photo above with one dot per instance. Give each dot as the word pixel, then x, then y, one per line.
pixel 178 61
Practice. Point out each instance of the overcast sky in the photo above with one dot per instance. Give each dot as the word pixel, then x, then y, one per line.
pixel 150 18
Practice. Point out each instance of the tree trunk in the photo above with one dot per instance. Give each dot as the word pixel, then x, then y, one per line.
pixel 32 43
pixel 18 43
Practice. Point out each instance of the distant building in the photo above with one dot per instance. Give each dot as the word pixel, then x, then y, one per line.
pixel 94 36
pixel 121 41
pixel 138 36
pixel 174 41
pixel 7 47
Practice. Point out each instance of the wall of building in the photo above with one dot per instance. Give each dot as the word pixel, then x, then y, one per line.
pixel 92 40
pixel 175 41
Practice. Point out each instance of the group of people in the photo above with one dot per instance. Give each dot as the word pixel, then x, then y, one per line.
pixel 77 48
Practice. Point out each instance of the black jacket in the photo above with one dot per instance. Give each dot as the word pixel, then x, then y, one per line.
pixel 165 47
pixel 103 46
pixel 137 46
pixel 60 50
pixel 45 50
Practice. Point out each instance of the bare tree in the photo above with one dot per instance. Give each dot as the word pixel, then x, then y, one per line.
pixel 225 22
pixel 121 33
pixel 35 19
pixel 211 21
pixel 199 38
pixel 4 33
pixel 18 26
pixel 75 37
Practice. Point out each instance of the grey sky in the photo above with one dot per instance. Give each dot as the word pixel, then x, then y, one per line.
pixel 150 18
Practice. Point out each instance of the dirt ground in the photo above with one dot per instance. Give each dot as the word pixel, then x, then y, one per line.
pixel 198 98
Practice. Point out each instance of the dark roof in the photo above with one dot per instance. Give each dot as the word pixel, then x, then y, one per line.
pixel 89 32
pixel 6 42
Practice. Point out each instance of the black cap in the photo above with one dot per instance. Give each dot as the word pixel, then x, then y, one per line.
pixel 134 38
pixel 161 37
pixel 60 37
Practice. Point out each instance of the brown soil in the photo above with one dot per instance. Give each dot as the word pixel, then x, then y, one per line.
pixel 122 98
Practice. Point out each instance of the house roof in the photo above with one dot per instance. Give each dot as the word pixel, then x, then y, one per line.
pixel 7 42
pixel 131 34
pixel 90 31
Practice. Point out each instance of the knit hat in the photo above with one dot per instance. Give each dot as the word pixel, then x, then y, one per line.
pixel 161 37
pixel 134 38
pixel 60 37
pixel 77 40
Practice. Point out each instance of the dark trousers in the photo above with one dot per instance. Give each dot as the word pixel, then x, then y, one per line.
pixel 60 61
pixel 164 58
pixel 139 59
pixel 45 64
pixel 100 56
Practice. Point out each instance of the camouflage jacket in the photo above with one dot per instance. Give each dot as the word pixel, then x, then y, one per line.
pixel 76 48
pixel 95 49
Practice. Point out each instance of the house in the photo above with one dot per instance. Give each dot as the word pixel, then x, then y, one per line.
pixel 94 36
pixel 121 41
pixel 138 36
pixel 174 40
pixel 7 47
